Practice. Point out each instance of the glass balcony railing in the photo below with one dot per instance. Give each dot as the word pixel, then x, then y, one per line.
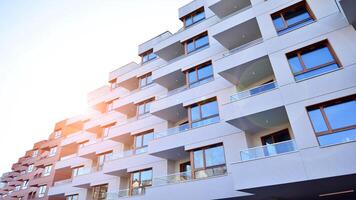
pixel 187 176
pixel 128 153
pixel 268 150
pixel 186 127
pixel 126 193
pixel 173 178
pixel 253 91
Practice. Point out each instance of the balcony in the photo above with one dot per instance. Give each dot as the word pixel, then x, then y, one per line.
pixel 268 150
pixel 61 187
pixel 280 175
pixel 223 8
pixel 253 91
pixel 234 35
pixel 188 176
pixel 347 7
pixel 90 176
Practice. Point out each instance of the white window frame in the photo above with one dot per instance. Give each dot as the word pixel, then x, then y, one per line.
pixel 47 170
pixel 52 151
pixel 42 191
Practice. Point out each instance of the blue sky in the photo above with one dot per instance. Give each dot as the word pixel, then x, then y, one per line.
pixel 52 53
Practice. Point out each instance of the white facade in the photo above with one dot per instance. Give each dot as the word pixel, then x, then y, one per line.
pixel 245 52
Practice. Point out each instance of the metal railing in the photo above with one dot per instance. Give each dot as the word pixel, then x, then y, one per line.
pixel 268 150
pixel 254 91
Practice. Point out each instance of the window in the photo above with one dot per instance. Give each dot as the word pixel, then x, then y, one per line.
pixel 106 129
pixel 312 60
pixel 47 170
pixel 83 144
pixel 99 192
pixel 209 161
pixel 148 56
pixel 72 197
pixel 35 153
pixel 335 121
pixel 140 180
pixel 277 137
pixel 42 191
pixel 196 43
pixel 110 106
pixel 57 134
pixel 144 107
pixel 113 84
pixel 25 184
pixel 204 113
pixel 18 187
pixel 193 17
pixel 141 141
pixel 77 171
pixel 200 74
pixel 52 151
pixel 292 18
pixel 103 158
pixel 30 168
pixel 145 80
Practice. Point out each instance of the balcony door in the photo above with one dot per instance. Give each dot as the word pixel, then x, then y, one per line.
pixel 269 141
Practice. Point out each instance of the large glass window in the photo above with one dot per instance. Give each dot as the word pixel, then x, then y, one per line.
pixel 148 56
pixel 47 170
pixel 30 168
pixel 204 113
pixel 312 60
pixel 141 142
pixel 77 171
pixel 193 17
pixel 200 74
pixel 52 151
pixel 145 80
pixel 209 161
pixel 72 197
pixel 140 180
pixel 103 158
pixel 335 121
pixel 100 192
pixel 293 17
pixel 196 43
pixel 144 107
pixel 42 191
pixel 24 184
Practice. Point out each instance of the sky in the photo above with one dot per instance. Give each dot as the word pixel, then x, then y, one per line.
pixel 53 53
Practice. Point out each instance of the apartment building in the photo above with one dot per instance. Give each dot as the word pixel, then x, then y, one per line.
pixel 251 99
pixel 32 175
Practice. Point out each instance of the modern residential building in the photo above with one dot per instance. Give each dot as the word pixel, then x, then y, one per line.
pixel 251 99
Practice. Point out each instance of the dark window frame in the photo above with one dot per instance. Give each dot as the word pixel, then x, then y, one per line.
pixel 145 77
pixel 321 107
pixel 99 188
pixel 200 104
pixel 196 69
pixel 144 103
pixel 142 146
pixel 131 191
pixel 147 53
pixel 282 12
pixel 192 15
pixel 193 40
pixel 194 169
pixel 310 48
